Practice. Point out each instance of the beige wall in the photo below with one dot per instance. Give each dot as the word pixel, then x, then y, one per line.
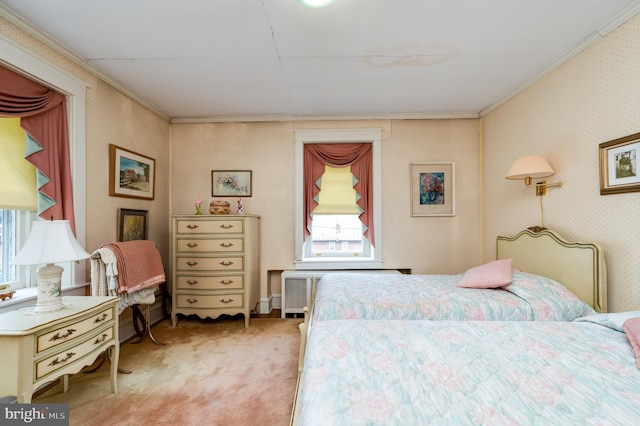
pixel 424 244
pixel 593 98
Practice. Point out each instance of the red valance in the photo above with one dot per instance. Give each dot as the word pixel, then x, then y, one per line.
pixel 356 155
pixel 43 115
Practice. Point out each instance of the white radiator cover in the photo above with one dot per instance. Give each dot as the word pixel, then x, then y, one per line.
pixel 296 287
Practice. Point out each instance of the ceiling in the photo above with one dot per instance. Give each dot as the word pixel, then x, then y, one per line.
pixel 222 60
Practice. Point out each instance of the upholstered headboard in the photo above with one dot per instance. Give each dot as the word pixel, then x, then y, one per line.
pixel 579 266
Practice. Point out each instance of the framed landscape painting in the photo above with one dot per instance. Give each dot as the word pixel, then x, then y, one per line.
pixel 131 174
pixel 619 165
pixel 432 189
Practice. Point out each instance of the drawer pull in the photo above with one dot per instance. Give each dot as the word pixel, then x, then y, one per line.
pixel 101 339
pixel 226 226
pixel 192 301
pixel 191 263
pixel 57 336
pixel 59 361
pixel 226 245
pixel 101 318
pixel 192 282
pixel 226 282
pixel 192 245
pixel 191 226
pixel 226 263
pixel 225 301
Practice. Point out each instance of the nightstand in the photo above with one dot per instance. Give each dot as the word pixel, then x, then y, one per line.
pixel 38 348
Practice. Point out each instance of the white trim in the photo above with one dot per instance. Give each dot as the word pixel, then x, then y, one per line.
pixel 24 62
pixel 338 136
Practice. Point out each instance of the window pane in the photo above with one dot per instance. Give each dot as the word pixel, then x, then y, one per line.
pixel 338 235
pixel 7 245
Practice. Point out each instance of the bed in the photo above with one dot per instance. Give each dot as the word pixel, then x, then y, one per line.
pixel 553 280
pixel 387 372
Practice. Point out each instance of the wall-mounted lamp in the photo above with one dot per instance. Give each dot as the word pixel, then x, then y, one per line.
pixel 532 167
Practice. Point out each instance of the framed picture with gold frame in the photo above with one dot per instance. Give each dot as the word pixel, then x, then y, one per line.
pixel 433 189
pixel 619 165
pixel 131 175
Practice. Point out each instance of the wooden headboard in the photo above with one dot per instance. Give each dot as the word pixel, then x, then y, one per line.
pixel 578 266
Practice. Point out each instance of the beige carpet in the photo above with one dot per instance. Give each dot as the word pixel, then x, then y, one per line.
pixel 210 372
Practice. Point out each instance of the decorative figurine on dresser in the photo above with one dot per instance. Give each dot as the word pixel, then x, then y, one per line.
pixel 216 265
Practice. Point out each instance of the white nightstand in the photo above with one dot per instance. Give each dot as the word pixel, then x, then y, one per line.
pixel 37 348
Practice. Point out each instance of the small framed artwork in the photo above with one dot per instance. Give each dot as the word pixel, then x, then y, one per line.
pixel 131 175
pixel 619 165
pixel 132 225
pixel 433 189
pixel 231 183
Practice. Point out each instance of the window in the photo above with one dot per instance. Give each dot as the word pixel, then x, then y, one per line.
pixel 336 240
pixel 11 238
pixel 14 230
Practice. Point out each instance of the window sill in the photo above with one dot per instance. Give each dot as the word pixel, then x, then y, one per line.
pixel 24 297
pixel 334 264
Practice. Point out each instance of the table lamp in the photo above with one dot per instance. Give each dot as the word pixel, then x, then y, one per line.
pixel 50 241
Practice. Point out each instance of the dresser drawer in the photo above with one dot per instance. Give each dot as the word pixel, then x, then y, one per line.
pixel 210 263
pixel 72 331
pixel 231 226
pixel 74 353
pixel 211 283
pixel 212 245
pixel 210 301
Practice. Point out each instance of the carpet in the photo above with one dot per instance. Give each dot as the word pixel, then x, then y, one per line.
pixel 209 372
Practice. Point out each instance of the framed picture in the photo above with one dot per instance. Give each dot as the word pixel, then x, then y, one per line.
pixel 131 175
pixel 619 165
pixel 231 183
pixel 433 189
pixel 132 225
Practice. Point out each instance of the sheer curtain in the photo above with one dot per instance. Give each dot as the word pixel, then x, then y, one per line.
pixel 356 155
pixel 43 115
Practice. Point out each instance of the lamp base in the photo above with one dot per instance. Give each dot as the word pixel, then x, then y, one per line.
pixel 49 288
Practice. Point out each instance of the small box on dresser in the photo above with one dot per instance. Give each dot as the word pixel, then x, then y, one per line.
pixel 215 265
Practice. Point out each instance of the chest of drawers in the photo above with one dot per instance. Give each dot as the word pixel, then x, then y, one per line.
pixel 37 348
pixel 215 265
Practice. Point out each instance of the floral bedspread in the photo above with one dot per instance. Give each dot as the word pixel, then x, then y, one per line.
pixel 395 296
pixel 474 372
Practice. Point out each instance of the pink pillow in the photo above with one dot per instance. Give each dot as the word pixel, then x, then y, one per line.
pixel 632 329
pixel 490 275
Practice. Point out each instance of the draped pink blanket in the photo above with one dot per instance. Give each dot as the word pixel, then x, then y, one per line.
pixel 139 265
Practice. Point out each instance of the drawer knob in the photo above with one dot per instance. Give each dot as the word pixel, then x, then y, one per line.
pixel 101 318
pixel 191 263
pixel 101 339
pixel 226 282
pixel 192 245
pixel 65 359
pixel 57 336
pixel 191 226
pixel 226 263
pixel 226 226
pixel 192 301
pixel 225 301
pixel 226 245
pixel 192 282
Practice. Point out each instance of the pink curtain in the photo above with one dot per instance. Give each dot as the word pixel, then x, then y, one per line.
pixel 43 115
pixel 356 155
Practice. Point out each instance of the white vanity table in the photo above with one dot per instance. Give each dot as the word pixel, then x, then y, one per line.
pixel 38 348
